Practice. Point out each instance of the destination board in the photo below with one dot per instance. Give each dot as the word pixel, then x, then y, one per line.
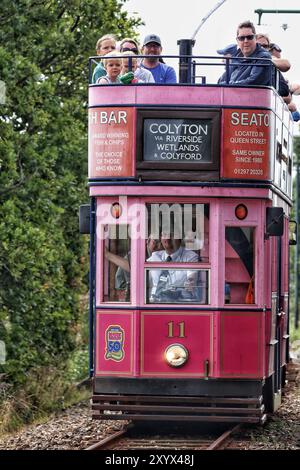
pixel 177 140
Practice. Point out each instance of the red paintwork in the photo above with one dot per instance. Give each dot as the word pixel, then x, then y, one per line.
pixel 232 342
pixel 241 344
pixel 154 340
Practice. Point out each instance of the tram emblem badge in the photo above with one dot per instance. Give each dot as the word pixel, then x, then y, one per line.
pixel 114 339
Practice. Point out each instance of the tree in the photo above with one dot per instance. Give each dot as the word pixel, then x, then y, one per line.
pixel 44 47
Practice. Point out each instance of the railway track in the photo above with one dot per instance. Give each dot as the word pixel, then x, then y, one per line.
pixel 130 439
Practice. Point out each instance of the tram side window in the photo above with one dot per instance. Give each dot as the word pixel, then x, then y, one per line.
pixel 116 265
pixel 239 265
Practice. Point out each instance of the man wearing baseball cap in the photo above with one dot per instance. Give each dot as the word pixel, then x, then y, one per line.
pixel 162 73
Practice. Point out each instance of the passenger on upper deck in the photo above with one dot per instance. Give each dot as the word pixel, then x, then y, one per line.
pixel 244 71
pixel 282 64
pixel 105 44
pixel 162 73
pixel 128 76
pixel 130 45
pixel 113 67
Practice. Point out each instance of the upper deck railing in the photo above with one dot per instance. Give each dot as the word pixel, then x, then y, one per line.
pixel 202 70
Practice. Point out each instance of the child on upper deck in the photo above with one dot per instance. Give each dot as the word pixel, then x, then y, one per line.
pixel 132 76
pixel 113 67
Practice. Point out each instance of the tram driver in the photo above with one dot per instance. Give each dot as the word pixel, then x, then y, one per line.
pixel 174 285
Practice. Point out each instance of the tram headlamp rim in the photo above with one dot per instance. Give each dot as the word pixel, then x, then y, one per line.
pixel 176 355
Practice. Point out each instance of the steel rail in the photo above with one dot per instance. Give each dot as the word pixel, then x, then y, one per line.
pixel 217 443
pixel 119 435
pixel 107 440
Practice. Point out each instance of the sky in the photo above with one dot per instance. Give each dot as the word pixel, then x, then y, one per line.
pixel 179 19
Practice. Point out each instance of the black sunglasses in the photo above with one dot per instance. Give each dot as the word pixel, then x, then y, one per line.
pixel 265 46
pixel 127 49
pixel 250 37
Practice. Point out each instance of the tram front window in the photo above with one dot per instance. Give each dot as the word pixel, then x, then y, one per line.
pixel 177 286
pixel 178 234
pixel 116 273
pixel 178 229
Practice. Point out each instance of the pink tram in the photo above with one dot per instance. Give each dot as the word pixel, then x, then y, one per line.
pixel 190 190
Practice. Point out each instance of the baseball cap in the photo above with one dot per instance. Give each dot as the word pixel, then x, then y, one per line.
pixel 231 49
pixel 152 38
pixel 275 46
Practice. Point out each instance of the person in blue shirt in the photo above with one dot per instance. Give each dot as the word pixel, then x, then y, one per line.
pixel 162 73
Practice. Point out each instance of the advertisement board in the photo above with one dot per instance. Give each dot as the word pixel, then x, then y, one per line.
pixel 111 137
pixel 246 144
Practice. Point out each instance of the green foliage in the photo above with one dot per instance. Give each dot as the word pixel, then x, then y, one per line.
pixel 45 391
pixel 44 50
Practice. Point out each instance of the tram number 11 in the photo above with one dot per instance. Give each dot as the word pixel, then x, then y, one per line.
pixel 175 328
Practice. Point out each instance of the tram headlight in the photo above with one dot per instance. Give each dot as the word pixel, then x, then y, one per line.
pixel 241 211
pixel 176 355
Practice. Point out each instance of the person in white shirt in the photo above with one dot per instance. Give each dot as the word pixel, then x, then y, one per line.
pixel 173 285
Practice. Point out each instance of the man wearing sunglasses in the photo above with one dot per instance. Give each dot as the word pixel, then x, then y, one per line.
pixel 130 45
pixel 257 70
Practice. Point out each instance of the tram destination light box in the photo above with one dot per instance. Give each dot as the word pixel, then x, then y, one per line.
pixel 178 140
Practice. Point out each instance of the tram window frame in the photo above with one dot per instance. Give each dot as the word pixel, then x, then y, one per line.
pixel 196 171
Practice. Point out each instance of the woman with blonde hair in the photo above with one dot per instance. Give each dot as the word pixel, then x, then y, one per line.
pixel 104 45
pixel 141 74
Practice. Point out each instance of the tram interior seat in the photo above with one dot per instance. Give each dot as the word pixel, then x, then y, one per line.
pixel 236 275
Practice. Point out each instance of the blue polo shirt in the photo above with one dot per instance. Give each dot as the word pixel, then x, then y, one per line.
pixel 162 73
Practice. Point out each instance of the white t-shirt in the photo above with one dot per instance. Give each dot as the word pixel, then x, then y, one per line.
pixel 144 75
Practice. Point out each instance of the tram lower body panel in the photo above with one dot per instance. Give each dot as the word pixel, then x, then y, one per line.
pixel 221 379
